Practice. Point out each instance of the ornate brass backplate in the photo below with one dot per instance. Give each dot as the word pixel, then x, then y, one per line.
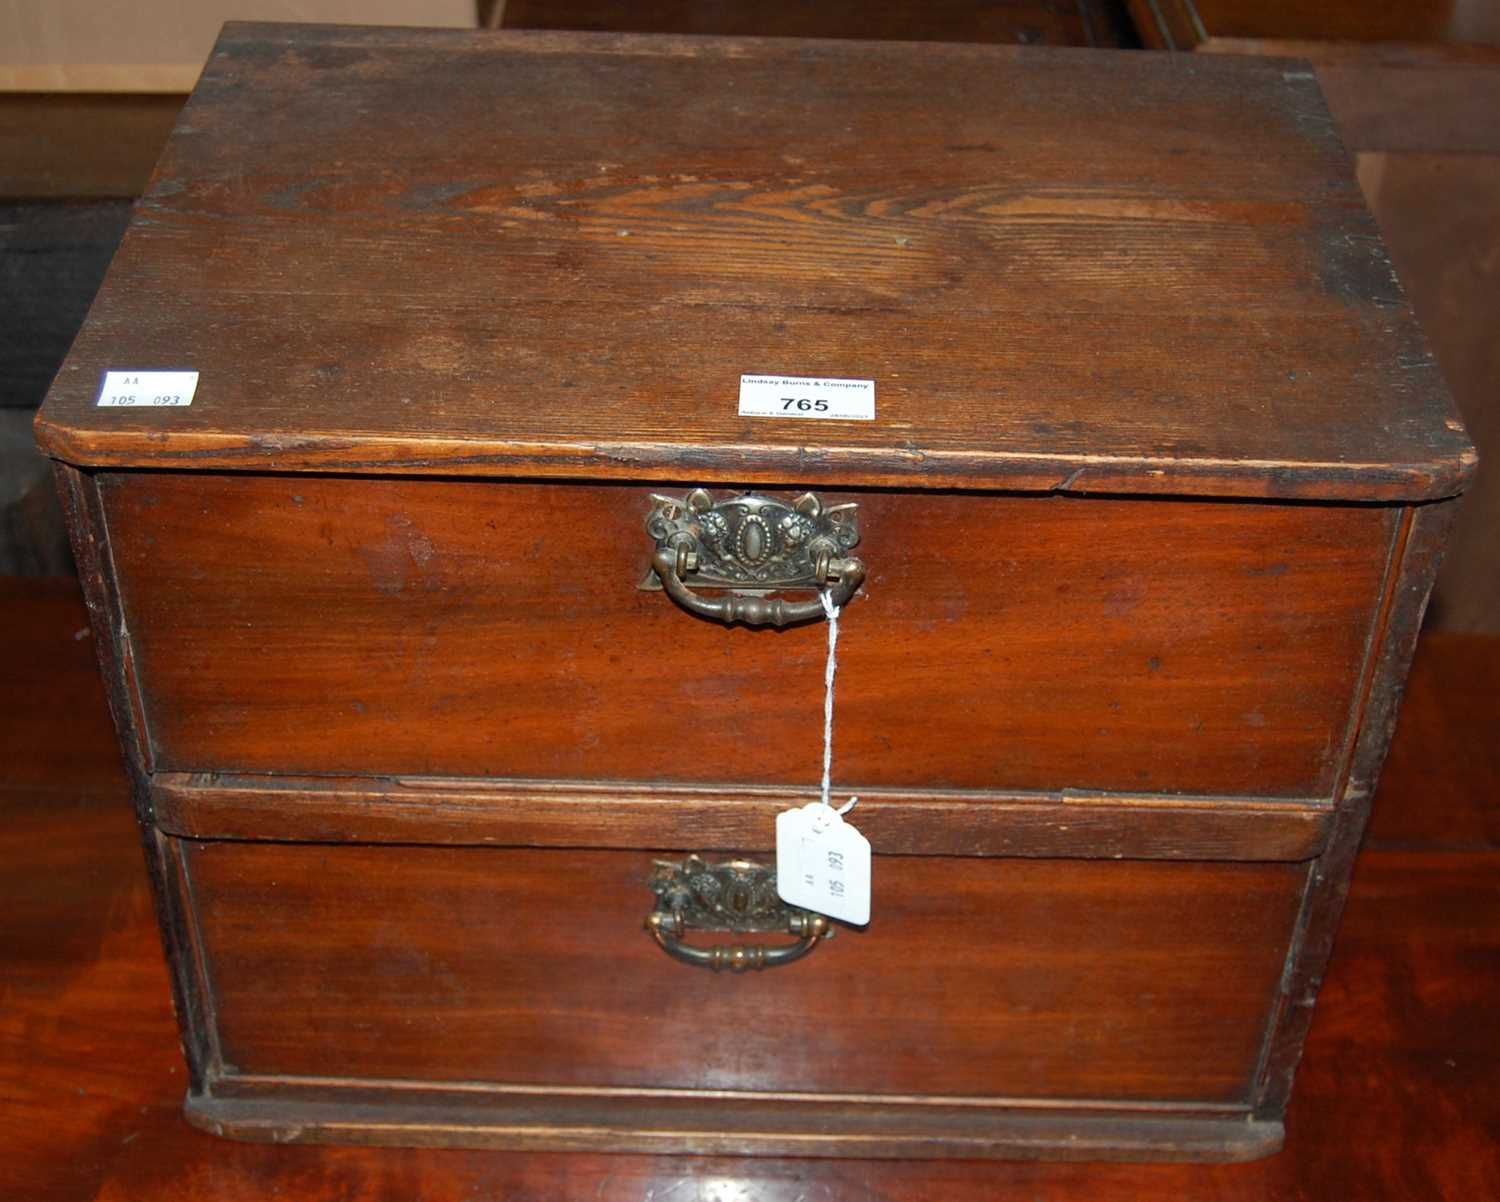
pixel 753 545
pixel 737 896
pixel 750 541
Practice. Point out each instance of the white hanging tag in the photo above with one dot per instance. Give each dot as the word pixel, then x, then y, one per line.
pixel 823 863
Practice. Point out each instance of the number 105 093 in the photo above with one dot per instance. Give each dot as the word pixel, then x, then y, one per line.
pixel 147 389
pixel 130 398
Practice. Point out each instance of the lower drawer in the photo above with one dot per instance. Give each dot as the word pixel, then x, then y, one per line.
pixel 1095 981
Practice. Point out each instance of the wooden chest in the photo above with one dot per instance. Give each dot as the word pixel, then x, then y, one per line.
pixel 1144 522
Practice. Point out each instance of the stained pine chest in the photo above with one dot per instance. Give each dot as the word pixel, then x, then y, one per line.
pixel 460 453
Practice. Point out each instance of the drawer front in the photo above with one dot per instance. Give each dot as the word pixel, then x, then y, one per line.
pixel 976 978
pixel 327 625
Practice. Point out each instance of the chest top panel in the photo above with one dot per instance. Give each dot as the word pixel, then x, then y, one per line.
pixel 555 254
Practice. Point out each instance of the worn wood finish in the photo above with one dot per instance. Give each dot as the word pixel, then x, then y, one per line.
pixel 1024 22
pixel 576 814
pixel 512 640
pixel 1042 979
pixel 1405 1038
pixel 473 286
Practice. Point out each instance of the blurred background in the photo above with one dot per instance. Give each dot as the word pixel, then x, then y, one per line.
pixel 88 93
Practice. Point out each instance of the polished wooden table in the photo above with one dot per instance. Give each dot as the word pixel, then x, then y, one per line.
pixel 1398 1096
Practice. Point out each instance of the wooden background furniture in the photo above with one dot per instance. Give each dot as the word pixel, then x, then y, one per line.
pixel 1396 1098
pixel 1004 22
pixel 1395 32
pixel 1415 87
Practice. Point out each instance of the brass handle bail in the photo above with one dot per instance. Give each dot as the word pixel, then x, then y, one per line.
pixel 737 896
pixel 755 610
pixel 740 957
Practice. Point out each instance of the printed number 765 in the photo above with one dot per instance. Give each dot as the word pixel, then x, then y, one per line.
pixel 804 405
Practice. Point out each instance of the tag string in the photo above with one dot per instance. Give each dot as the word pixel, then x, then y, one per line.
pixel 829 671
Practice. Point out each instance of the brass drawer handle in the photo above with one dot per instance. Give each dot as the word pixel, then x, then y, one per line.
pixel 737 896
pixel 753 610
pixel 753 545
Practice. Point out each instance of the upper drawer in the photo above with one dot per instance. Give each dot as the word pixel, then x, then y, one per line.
pixel 335 625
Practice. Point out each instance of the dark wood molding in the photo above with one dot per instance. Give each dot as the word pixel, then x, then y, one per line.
pixel 577 814
pixel 241 1086
pixel 80 498
pixel 876 467
pixel 290 1111
pixel 192 997
pixel 96 575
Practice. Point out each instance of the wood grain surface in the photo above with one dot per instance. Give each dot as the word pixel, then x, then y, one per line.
pixel 1014 979
pixel 1396 1098
pixel 347 626
pixel 494 254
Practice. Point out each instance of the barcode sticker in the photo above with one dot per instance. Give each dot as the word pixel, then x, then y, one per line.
pixel 147 389
pixel 807 396
pixel 823 863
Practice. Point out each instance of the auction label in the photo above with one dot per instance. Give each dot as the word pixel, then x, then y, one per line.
pixel 807 396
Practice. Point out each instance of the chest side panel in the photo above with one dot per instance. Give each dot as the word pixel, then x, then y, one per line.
pixel 404 627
